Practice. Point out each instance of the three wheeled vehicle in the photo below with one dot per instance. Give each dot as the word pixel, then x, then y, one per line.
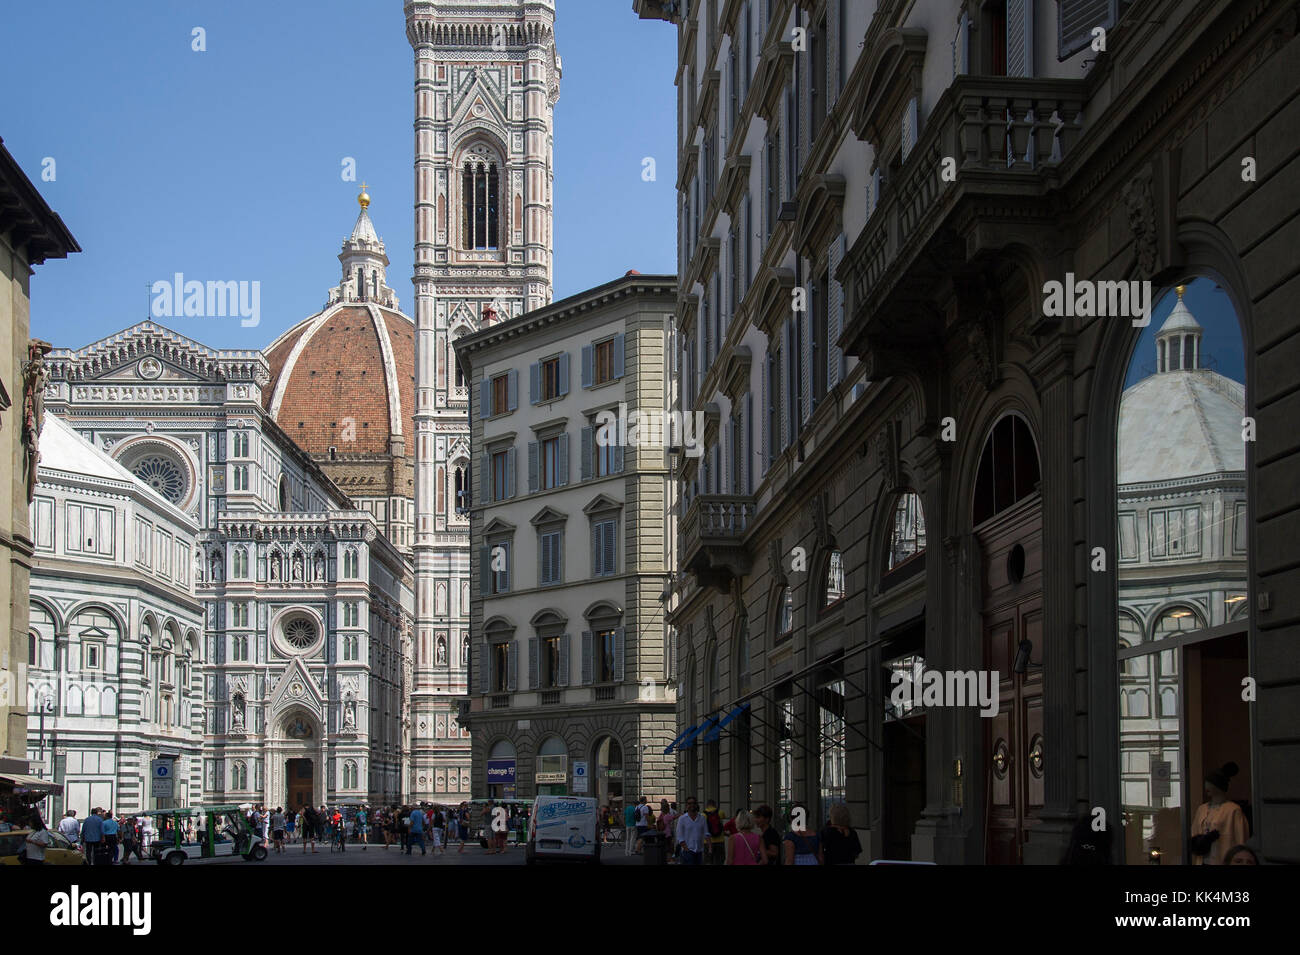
pixel 204 833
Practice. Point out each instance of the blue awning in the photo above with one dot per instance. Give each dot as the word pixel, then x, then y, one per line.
pixel 680 736
pixel 717 728
pixel 694 734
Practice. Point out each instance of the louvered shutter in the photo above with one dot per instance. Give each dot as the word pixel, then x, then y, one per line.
pixel 784 396
pixel 586 366
pixel 532 467
pixel 485 481
pixel 485 398
pixel 617 463
pixel 557 556
pixel 586 657
pixel 833 28
pixel 484 669
pixel 534 662
pixel 618 356
pixel 562 461
pixel 597 547
pixel 873 191
pixel 564 660
pixel 587 446
pixel 767 414
pixel 747 244
pixel 512 667
pixel 534 382
pixel 1020 38
pixel 508 585
pixel 544 558
pixel 961 47
pixel 747 444
pixel 512 390
pixel 835 313
pixel 806 350
pixel 618 654
pixel 707 314
pixel 1075 21
pixel 911 120
pixel 564 374
pixel 485 572
pixel 510 473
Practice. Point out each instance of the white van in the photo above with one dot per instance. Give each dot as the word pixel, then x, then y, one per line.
pixel 563 827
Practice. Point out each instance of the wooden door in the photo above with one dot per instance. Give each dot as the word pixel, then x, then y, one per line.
pixel 298 772
pixel 1013 738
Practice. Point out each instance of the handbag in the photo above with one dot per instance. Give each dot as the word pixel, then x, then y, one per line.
pixel 758 857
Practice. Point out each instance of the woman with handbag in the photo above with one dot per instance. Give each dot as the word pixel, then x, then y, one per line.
pixel 746 846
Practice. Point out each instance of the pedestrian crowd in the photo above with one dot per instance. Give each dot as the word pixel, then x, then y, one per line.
pixel 104 837
pixel 750 837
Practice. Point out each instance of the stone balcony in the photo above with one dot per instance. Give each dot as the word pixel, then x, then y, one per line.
pixel 713 532
pixel 1007 139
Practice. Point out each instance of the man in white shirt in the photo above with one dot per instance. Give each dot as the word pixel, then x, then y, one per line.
pixel 692 833
pixel 69 827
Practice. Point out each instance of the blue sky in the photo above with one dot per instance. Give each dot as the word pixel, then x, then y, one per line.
pixel 1221 341
pixel 226 164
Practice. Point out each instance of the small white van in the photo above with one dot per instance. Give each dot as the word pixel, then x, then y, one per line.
pixel 563 827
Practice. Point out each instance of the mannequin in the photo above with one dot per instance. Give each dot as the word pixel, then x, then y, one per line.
pixel 1218 823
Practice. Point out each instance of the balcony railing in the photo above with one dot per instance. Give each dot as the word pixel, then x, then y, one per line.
pixel 712 537
pixel 1004 137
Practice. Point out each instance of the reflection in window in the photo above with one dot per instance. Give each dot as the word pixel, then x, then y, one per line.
pixel 833 750
pixel 785 613
pixel 834 579
pixel 1175 621
pixel 907 535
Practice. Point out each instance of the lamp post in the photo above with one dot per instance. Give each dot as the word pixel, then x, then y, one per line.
pixel 47 706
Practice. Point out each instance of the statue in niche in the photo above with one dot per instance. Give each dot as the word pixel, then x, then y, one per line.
pixel 318 567
pixel 297 566
pixel 442 652
pixel 237 714
pixel 275 566
pixel 350 715
pixel 216 567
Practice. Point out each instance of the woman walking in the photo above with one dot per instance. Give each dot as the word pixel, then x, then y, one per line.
pixel 801 846
pixel 746 846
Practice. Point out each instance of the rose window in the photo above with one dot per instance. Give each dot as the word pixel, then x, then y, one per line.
pixel 300 633
pixel 163 475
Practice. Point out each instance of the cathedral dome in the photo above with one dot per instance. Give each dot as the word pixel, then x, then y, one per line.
pixel 343 379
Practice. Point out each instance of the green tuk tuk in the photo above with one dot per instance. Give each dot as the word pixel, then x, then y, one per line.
pixel 204 833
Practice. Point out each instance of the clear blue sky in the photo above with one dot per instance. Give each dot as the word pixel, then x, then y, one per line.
pixel 225 164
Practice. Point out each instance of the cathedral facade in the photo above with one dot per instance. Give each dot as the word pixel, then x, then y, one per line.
pixel 486 82
pixel 304 660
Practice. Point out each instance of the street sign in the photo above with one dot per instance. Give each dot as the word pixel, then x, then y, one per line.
pixel 161 772
pixel 579 775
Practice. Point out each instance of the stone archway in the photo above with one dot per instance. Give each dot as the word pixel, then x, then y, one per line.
pixel 295 755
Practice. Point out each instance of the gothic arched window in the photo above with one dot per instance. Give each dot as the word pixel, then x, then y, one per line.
pixel 481 201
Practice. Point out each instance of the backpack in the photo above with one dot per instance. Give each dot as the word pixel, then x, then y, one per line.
pixel 715 823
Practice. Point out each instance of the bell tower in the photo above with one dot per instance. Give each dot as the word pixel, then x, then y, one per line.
pixel 487 77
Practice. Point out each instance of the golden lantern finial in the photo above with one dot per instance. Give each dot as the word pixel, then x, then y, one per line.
pixel 1180 289
pixel 363 200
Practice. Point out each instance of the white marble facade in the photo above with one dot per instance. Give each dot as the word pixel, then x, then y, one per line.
pixel 306 606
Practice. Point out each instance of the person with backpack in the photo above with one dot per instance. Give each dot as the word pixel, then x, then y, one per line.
pixel 644 819
pixel 717 854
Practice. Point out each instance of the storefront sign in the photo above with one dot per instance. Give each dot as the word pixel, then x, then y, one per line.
pixel 544 778
pixel 501 772
pixel 579 775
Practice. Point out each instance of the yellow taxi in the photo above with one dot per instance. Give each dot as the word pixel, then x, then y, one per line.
pixel 59 852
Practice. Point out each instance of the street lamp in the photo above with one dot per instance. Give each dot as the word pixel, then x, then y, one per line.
pixel 46 706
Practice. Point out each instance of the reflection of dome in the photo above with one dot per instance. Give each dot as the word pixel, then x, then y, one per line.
pixel 1185 420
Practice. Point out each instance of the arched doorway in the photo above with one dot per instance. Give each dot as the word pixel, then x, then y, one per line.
pixel 1183 541
pixel 607 758
pixel 297 744
pixel 1008 519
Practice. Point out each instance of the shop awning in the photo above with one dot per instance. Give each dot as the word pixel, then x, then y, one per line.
pixel 717 727
pixel 30 784
pixel 694 734
pixel 680 736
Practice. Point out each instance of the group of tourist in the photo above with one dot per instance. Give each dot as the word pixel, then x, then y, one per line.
pixel 426 826
pixel 747 838
pixel 105 838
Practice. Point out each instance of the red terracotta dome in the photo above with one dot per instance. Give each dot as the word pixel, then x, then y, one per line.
pixel 345 379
